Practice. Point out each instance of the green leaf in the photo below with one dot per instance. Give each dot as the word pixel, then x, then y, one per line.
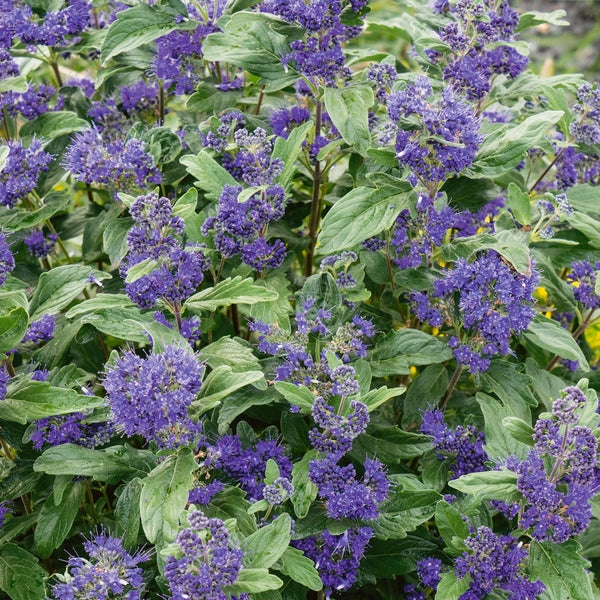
pixel 227 292
pixel 110 465
pixel 404 512
pixel 535 18
pixel 255 42
pixel 16 219
pixel 210 175
pixel 451 587
pixel 450 523
pixel 274 311
pixel 185 207
pixel 114 238
pixel 289 150
pixel 231 352
pixel 305 491
pixel 589 226
pixel 518 202
pixel 221 382
pixel 99 302
pixel 519 430
pixel 348 108
pixel 59 287
pixel 239 402
pixel 140 269
pixel 300 568
pixel 17 84
pixel 12 328
pixel 493 485
pixel 32 400
pixel 134 27
pixel 561 569
pixel 549 335
pixel 165 494
pixel 266 545
pixel 55 520
pixel 397 351
pixel 392 445
pixel 375 398
pixel 21 576
pixel 51 125
pixel 127 512
pixel 504 149
pixel 361 213
pixel 298 395
pixel 252 581
pixel 427 388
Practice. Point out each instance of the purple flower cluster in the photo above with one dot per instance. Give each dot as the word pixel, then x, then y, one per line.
pixel 337 557
pixel 556 505
pixel 70 429
pixel 178 59
pixel 243 216
pixel 247 465
pixel 476 54
pixel 20 174
pixel 415 236
pixel 300 366
pixel 29 104
pixel 55 28
pixel 4 378
pixel 383 76
pixel 177 271
pixel 150 396
pixel 318 55
pixel 587 129
pixel 240 226
pixel 491 299
pixel 464 444
pixel 445 137
pixel 109 572
pixel 279 491
pixel 494 562
pixel 206 562
pixel 41 330
pixel 7 260
pixel 40 246
pixel 583 278
pixel 338 265
pixel 122 164
pixel 285 120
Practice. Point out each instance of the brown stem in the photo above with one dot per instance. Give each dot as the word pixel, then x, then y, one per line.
pixel 455 377
pixel 177 313
pixel 161 103
pixel 54 66
pixel 5 124
pixel 393 285
pixel 9 366
pixel 315 208
pixel 260 100
pixel 235 319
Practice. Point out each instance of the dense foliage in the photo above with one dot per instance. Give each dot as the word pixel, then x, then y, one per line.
pixel 296 302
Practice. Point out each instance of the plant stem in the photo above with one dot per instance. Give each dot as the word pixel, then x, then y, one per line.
pixel 392 284
pixel 56 70
pixel 451 386
pixel 315 208
pixel 235 319
pixel 260 100
pixel 90 496
pixel 161 103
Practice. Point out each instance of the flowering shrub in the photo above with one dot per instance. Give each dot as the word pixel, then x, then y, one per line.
pixel 286 317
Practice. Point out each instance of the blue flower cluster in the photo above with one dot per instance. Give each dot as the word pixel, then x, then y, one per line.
pixel 38 245
pixel 319 54
pixel 178 270
pixel 7 260
pixel 490 299
pixel 243 216
pixel 109 572
pixel 444 135
pixel 21 172
pixel 583 277
pixel 279 491
pixel 150 396
pixel 246 466
pixel 121 164
pixel 206 561
pixel 476 54
pixel 463 444
pixel 70 429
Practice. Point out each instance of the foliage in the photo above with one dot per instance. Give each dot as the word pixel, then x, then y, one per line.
pixel 285 316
